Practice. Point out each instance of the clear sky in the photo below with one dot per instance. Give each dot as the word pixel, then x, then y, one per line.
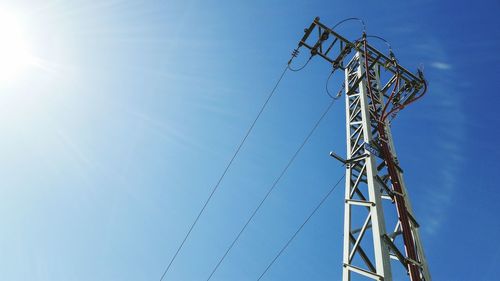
pixel 112 137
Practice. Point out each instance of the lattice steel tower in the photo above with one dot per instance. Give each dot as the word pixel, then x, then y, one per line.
pixel 379 224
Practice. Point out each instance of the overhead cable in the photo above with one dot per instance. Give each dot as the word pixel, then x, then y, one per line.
pixel 302 67
pixel 300 228
pixel 349 19
pixel 383 40
pixel 336 97
pixel 216 186
pixel 272 187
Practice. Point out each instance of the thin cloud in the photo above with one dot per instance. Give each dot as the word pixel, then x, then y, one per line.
pixel 441 65
pixel 450 123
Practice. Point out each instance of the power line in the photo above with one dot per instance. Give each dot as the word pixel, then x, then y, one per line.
pixel 300 228
pixel 337 96
pixel 275 183
pixel 348 19
pixel 383 40
pixel 300 68
pixel 214 189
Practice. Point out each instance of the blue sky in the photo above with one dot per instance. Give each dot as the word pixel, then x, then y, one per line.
pixel 112 143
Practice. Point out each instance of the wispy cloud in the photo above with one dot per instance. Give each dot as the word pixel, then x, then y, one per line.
pixel 441 65
pixel 441 200
pixel 450 122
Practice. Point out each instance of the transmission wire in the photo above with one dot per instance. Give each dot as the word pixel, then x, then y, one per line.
pixel 348 19
pixel 214 189
pixel 275 183
pixel 336 97
pixel 389 46
pixel 300 68
pixel 300 228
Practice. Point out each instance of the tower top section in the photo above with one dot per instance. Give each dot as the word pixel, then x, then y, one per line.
pixel 324 42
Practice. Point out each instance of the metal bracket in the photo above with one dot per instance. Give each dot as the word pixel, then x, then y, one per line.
pixel 347 161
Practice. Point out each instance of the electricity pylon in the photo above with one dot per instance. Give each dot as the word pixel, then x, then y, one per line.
pixel 376 89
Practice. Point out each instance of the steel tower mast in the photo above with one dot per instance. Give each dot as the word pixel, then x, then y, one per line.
pixel 376 89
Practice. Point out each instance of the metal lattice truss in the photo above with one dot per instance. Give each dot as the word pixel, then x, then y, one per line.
pixel 376 87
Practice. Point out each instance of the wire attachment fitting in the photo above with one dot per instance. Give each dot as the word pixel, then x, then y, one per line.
pixel 295 53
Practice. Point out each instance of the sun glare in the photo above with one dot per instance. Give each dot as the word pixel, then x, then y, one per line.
pixel 14 49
